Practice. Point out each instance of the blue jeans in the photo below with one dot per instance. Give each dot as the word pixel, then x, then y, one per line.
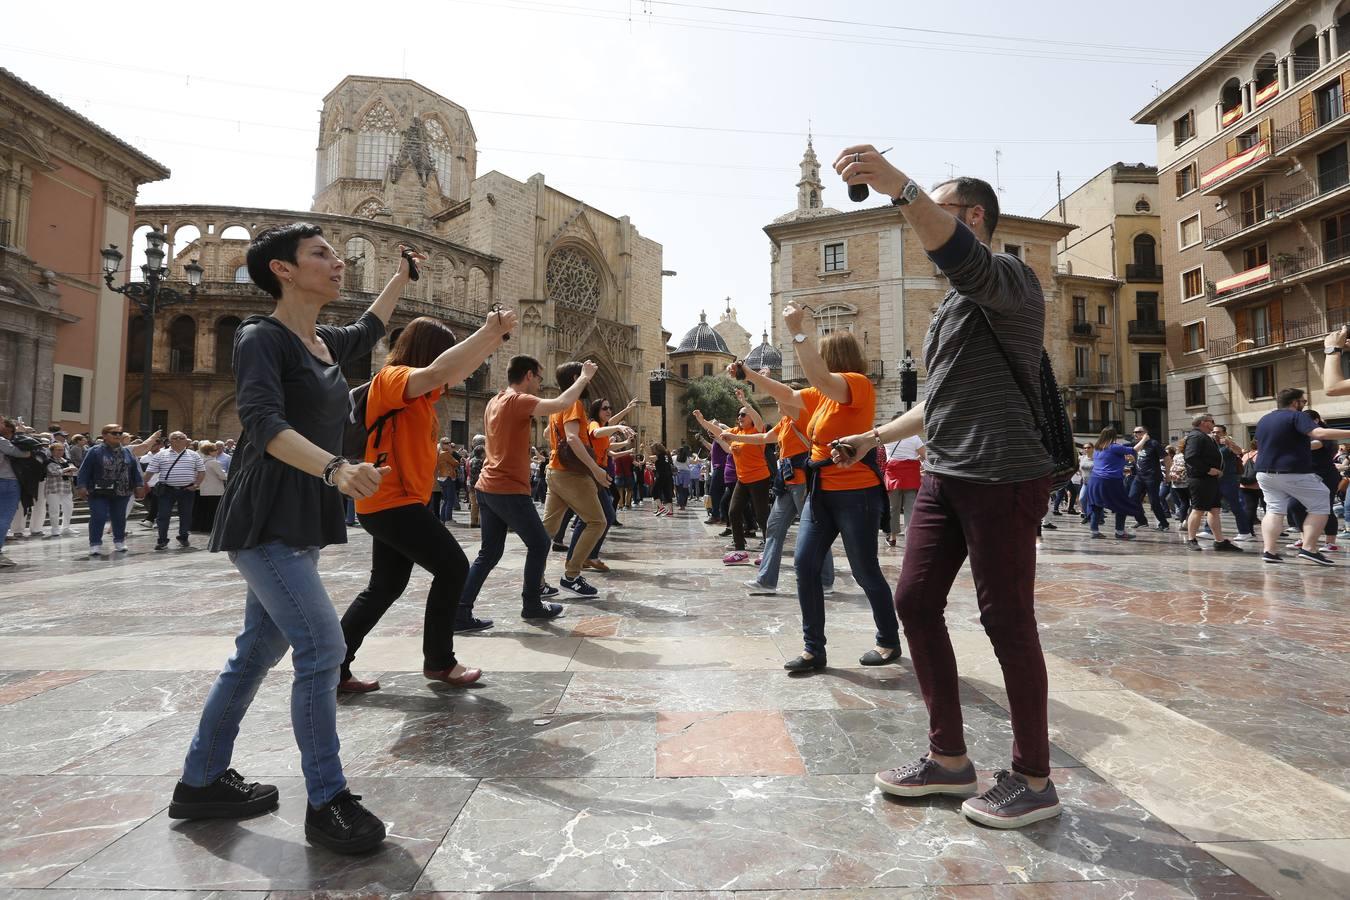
pixel 856 517
pixel 183 498
pixel 1141 486
pixel 448 500
pixel 1229 491
pixel 498 513
pixel 286 606
pixel 9 504
pixel 578 526
pixel 785 508
pixel 103 510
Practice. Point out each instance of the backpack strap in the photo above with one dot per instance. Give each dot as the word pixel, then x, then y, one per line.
pixel 1026 394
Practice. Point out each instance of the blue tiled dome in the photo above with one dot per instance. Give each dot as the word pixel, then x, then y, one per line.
pixel 765 356
pixel 702 338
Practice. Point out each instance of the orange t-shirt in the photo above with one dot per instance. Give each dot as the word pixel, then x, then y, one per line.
pixel 557 431
pixel 409 440
pixel 506 422
pixel 833 420
pixel 789 444
pixel 750 464
pixel 599 444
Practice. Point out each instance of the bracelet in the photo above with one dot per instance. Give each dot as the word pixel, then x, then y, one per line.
pixel 330 470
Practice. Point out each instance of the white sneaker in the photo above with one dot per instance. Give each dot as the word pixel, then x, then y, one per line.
pixel 827 591
pixel 1205 535
pixel 1245 538
pixel 120 547
pixel 6 562
pixel 95 552
pixel 757 588
pixel 67 531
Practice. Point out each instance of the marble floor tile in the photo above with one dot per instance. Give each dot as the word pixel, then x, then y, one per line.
pixel 31 684
pixel 676 653
pixel 502 652
pixel 97 894
pixel 38 742
pixel 1298 870
pixel 831 832
pixel 723 690
pixel 270 851
pixel 54 824
pixel 725 743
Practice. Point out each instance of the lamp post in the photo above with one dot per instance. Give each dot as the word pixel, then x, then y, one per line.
pixel 656 382
pixel 150 296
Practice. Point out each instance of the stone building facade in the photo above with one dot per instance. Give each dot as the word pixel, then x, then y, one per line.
pixel 66 190
pixel 397 163
pixel 864 271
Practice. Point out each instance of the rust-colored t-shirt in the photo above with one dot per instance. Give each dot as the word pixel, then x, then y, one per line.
pixel 506 469
pixel 599 444
pixel 557 431
pixel 789 444
pixel 750 464
pixel 409 440
pixel 833 420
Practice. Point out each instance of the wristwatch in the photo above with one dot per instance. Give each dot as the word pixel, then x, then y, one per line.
pixel 907 195
pixel 799 338
pixel 1332 351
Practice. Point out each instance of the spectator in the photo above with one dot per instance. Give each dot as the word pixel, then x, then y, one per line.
pixel 109 477
pixel 180 471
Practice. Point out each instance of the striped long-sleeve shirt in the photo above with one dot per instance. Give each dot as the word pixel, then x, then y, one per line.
pixel 978 422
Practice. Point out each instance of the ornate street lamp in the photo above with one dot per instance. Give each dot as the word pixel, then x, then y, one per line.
pixel 150 296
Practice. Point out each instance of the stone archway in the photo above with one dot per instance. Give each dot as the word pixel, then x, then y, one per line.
pixel 607 383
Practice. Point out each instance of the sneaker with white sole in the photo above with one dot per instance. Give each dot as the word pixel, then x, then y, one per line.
pixel 1012 803
pixel 757 588
pixel 577 586
pixel 925 777
pixel 6 562
pixel 1314 557
pixel 1272 558
pixel 1245 538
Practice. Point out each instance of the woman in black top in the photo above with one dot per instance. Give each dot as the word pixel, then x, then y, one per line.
pixel 280 506
pixel 663 484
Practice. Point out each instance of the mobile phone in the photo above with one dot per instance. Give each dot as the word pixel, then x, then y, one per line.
pixel 738 370
pixel 843 447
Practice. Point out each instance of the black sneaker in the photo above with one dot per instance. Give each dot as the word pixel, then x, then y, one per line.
pixel 161 545
pixel 726 533
pixel 1161 526
pixel 1315 557
pixel 548 590
pixel 344 825
pixel 544 611
pixel 1268 557
pixel 578 586
pixel 1193 544
pixel 559 548
pixel 1227 546
pixel 228 797
pixel 1050 526
pixel 471 623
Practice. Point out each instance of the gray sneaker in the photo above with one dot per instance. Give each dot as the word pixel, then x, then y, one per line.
pixel 924 777
pixel 1011 803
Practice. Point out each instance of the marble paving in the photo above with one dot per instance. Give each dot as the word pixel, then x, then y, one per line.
pixel 649 745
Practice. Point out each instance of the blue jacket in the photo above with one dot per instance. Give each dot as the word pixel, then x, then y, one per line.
pixel 92 468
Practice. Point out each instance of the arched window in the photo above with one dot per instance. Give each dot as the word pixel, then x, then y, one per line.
pixel 225 330
pixel 815 200
pixel 182 344
pixel 236 233
pixel 136 344
pixel 1304 50
pixel 359 254
pixel 834 317
pixel 478 291
pixel 438 142
pixel 376 142
pixel 572 280
pixel 1266 72
pixel 1145 248
pixel 241 275
pixel 1230 102
pixel 1141 206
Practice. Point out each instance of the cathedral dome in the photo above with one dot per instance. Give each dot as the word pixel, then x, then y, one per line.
pixel 702 338
pixel 765 356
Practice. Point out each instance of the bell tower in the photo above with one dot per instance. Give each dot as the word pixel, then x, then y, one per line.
pixel 809 188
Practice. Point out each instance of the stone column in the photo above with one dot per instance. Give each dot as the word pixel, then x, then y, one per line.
pixel 161 348
pixel 1324 48
pixel 1247 93
pixel 19 229
pixel 205 351
pixel 44 391
pixel 1282 72
pixel 23 381
pixel 1334 41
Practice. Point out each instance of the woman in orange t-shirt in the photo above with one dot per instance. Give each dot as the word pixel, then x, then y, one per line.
pixel 843 502
pixel 752 475
pixel 405 531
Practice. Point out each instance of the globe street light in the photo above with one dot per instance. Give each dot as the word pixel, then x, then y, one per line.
pixel 150 296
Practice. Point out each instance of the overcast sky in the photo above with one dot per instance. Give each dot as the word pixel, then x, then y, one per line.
pixel 690 117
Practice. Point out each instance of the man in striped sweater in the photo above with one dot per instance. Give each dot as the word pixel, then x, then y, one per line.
pixel 984 455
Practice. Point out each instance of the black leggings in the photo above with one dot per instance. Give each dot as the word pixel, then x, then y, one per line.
pixel 403 536
pixel 756 493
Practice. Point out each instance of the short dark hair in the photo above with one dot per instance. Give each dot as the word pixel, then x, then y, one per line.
pixel 1288 396
pixel 520 366
pixel 595 408
pixel 567 373
pixel 420 343
pixel 976 192
pixel 277 242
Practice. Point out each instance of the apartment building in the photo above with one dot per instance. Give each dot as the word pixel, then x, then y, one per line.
pixel 1254 204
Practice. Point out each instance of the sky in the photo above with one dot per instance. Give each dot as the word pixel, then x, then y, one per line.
pixel 689 116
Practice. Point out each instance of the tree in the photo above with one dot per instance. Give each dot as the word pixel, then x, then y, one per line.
pixel 716 397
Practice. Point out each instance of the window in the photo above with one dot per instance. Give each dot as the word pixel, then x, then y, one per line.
pixel 1338 303
pixel 1146 306
pixel 1104 407
pixel 1079 310
pixel 1192 283
pixel 1252 203
pixel 241 275
pixel 1145 251
pixel 1101 316
pixel 72 393
pixel 1193 337
pixel 1104 370
pixel 684 370
pixel 1188 231
pixel 1142 206
pixel 1183 129
pixel 1013 250
pixel 1082 361
pixel 1247 140
pixel 1186 180
pixel 1254 256
pixel 1262 382
pixel 836 260
pixel 707 369
pixel 373 153
pixel 1195 391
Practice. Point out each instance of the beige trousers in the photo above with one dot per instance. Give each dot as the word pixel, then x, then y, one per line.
pixel 572 489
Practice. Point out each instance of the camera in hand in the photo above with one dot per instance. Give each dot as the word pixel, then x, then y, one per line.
pixel 738 370
pixel 858 192
pixel 413 273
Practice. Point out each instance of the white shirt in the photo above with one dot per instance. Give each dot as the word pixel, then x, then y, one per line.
pixel 905 449
pixel 181 474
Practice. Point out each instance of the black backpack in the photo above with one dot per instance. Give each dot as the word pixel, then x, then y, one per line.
pixel 356 438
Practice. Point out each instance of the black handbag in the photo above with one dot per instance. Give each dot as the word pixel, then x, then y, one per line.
pixel 1056 433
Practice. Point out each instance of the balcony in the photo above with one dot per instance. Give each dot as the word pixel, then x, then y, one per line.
pixel 1307 131
pixel 1082 331
pixel 1229 116
pixel 1297 202
pixel 1144 272
pixel 1285 269
pixel 876 369
pixel 1278 335
pixel 1265 94
pixel 1095 426
pixel 1226 175
pixel 1144 331
pixel 1092 380
pixel 1148 394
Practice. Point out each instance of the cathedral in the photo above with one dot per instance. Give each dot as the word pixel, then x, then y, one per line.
pixel 397 163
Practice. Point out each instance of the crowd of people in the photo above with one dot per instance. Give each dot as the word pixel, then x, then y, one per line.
pixel 316 456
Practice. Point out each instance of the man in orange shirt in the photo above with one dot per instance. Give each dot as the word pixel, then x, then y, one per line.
pixel 504 500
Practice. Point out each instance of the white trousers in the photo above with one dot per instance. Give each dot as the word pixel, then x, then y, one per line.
pixel 33 521
pixel 60 509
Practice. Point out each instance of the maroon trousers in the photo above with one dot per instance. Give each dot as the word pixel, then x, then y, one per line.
pixel 995 526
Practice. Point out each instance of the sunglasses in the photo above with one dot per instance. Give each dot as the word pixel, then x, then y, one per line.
pixel 119 433
pixel 606 406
